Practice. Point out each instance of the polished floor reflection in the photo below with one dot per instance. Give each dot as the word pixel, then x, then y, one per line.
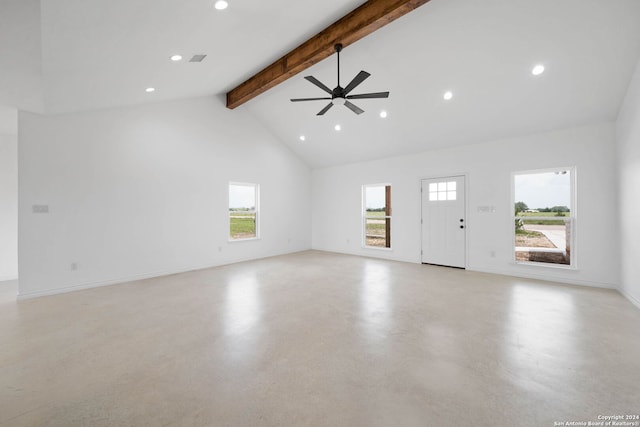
pixel 319 339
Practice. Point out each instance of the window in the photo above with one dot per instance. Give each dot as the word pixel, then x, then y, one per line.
pixel 377 215
pixel 243 211
pixel 442 191
pixel 544 217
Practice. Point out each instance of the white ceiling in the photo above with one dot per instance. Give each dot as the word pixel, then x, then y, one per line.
pixel 100 54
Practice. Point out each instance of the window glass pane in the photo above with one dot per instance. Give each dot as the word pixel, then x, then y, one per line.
pixel 375 232
pixel 242 211
pixel 442 195
pixel 433 196
pixel 242 225
pixel 544 191
pixel 375 199
pixel 545 241
pixel 377 215
pixel 433 187
pixel 451 186
pixel 543 217
pixel 442 186
pixel 451 195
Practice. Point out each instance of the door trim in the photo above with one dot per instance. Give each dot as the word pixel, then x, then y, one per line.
pixel 466 213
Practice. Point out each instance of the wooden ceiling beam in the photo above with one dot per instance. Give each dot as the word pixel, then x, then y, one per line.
pixel 364 20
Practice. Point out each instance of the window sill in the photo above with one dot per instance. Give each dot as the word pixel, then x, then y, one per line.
pixel 546 265
pixel 375 248
pixel 249 239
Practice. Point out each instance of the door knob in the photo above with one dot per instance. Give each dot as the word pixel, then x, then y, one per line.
pixel 462 226
pixel 461 220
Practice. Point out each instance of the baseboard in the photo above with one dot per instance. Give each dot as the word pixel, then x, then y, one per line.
pixel 630 297
pixel 142 276
pixel 369 253
pixel 526 275
pixel 100 283
pixel 7 278
pixel 546 278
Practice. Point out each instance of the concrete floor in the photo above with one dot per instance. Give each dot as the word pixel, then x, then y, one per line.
pixel 319 339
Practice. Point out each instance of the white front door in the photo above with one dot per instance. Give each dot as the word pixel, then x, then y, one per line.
pixel 443 221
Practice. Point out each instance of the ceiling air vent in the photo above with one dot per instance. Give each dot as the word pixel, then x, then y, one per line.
pixel 197 58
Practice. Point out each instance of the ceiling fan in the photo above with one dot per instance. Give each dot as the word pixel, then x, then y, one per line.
pixel 340 95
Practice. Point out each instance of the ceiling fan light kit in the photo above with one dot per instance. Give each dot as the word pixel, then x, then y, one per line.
pixel 340 95
pixel 339 101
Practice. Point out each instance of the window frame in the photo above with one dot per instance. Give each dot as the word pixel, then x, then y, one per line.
pixel 256 211
pixel 572 219
pixel 388 218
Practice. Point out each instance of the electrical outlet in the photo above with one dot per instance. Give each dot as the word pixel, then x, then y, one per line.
pixel 40 208
pixel 74 266
pixel 219 248
pixel 492 254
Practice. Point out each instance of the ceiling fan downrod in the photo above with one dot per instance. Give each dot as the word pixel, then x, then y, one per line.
pixel 338 48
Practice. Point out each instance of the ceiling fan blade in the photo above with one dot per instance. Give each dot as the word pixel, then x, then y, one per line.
pixel 362 76
pixel 369 95
pixel 319 84
pixel 353 108
pixel 325 109
pixel 309 99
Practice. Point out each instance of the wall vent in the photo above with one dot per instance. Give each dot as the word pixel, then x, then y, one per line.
pixel 197 58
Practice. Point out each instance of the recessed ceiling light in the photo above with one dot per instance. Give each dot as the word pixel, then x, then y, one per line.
pixel 537 70
pixel 150 89
pixel 447 95
pixel 221 5
pixel 337 127
pixel 383 114
pixel 176 58
pixel 303 138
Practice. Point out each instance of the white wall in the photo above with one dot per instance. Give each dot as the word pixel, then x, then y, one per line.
pixel 336 204
pixel 8 206
pixel 143 191
pixel 628 145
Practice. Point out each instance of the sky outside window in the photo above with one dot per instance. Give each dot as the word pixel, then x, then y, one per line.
pixel 544 190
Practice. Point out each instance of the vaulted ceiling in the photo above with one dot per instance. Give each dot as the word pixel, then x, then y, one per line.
pixel 73 55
